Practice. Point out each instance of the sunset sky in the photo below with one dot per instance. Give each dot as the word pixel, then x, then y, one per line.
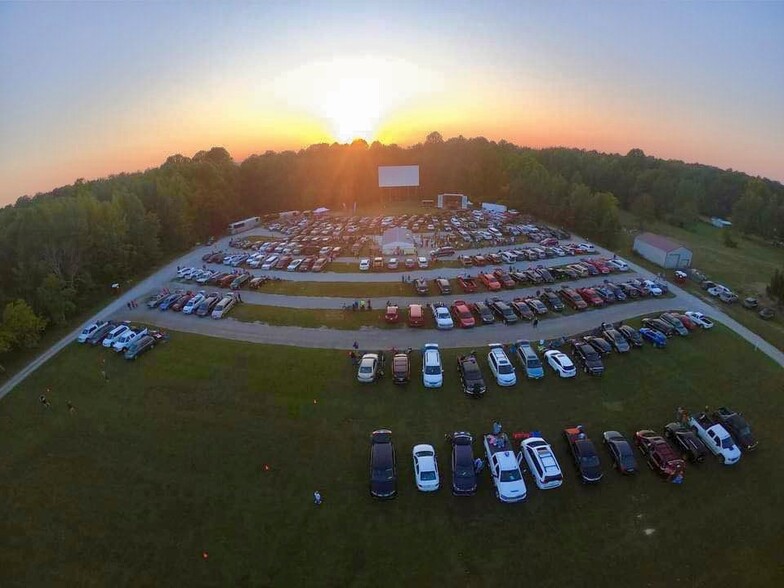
pixel 97 88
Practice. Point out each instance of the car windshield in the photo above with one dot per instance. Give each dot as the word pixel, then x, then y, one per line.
pixel 727 443
pixel 534 363
pixel 428 476
pixel 510 475
pixel 505 369
pixel 432 370
pixel 382 474
pixel 365 369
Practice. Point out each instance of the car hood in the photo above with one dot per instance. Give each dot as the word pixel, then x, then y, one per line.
pixel 591 472
pixel 464 484
pixel 385 488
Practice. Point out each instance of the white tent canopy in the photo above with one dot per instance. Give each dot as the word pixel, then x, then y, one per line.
pixel 397 241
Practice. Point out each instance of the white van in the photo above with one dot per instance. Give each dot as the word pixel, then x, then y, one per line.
pixel 223 307
pixel 114 334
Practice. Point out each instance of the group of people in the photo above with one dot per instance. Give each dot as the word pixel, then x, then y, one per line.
pixel 359 305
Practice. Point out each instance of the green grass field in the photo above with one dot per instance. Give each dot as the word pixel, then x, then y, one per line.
pixel 167 460
pixel 746 270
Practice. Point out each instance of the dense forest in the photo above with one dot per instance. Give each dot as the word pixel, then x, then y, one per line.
pixel 61 250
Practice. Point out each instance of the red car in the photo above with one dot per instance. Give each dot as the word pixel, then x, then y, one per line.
pixel 573 299
pixel 662 458
pixel 490 282
pixel 687 322
pixel 549 242
pixel 467 284
pixel 462 315
pixel 392 315
pixel 591 296
pixel 480 260
pixel 503 276
pixel 522 309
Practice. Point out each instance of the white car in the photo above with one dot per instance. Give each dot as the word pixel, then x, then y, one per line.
pixel 88 331
pixel 587 247
pixel 542 464
pixel 364 264
pixel 392 263
pixel 700 319
pixel 294 265
pixel 269 262
pixel 719 289
pixel 192 304
pixel 426 468
pixel 432 370
pixel 619 264
pixel 653 287
pixel 127 339
pixel 422 262
pixel 224 306
pixel 504 468
pixel 368 368
pixel 502 368
pixel 441 316
pixel 561 363
pixel 115 334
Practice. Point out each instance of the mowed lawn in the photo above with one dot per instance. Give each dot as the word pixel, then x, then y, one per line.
pixel 165 464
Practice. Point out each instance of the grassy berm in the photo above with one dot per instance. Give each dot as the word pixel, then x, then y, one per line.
pixel 160 477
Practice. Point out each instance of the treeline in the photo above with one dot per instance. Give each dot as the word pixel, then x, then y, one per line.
pixel 61 250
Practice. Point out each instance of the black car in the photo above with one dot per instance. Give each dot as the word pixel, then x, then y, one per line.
pixel 552 300
pixel 208 304
pixel 484 312
pixel 383 474
pixel 588 358
pixel 621 451
pixel 617 340
pixel 502 310
pixel 471 375
pixel 599 344
pixel 546 275
pixel 584 454
pixel 663 327
pixel 631 335
pixel 522 309
pixel 737 427
pixel 464 480
pixel 141 346
pixel 617 291
pixel 686 440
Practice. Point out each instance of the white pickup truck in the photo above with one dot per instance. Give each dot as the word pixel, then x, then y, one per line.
pixel 504 468
pixel 127 339
pixel 716 437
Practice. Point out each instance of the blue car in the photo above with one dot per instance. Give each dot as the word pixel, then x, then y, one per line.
pixel 169 300
pixel 530 360
pixel 658 339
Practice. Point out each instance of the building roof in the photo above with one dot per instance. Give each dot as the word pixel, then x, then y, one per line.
pixel 396 235
pixel 659 242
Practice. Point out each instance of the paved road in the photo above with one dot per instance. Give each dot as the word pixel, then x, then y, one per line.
pixel 330 302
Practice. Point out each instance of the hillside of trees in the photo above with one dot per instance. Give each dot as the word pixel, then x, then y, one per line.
pixel 62 249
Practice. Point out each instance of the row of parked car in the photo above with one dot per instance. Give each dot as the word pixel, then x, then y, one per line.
pixel 548 248
pixel 201 304
pixel 722 433
pixel 269 261
pixel 585 353
pixel 121 337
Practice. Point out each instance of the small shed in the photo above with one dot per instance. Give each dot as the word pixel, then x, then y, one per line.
pixel 397 241
pixel 662 251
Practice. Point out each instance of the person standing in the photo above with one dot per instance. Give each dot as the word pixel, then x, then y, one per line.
pixel 44 400
pixel 536 322
pixel 317 498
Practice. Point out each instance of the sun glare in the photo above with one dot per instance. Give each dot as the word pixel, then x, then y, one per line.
pixel 354 97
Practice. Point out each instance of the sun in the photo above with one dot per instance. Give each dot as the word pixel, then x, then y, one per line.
pixel 353 108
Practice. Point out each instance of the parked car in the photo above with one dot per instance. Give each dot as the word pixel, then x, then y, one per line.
pixel 536 305
pixel 631 335
pixel 675 323
pixel 193 304
pixel 532 365
pixel 401 368
pixel 100 332
pixel 432 369
pixel 661 457
pixel 224 306
pixel 462 314
pixel 737 427
pixel 443 285
pixel 127 339
pixel 420 285
pixel 685 439
pixel 470 375
pixel 504 468
pixel 659 325
pixel 208 304
pixel 500 366
pixel 767 313
pixel 392 314
pixel 573 299
pixel 383 471
pixel 441 316
pixel 139 347
pixel 716 438
pixel 618 341
pixel 560 363
pixel 489 281
pixel 426 468
pixel 588 358
pixel 599 344
pixel 115 334
pixel 416 316
pixel 464 479
pixel 484 312
pixel 504 278
pixel 591 297
pixel 468 285
pixel 656 338
pixel 584 454
pixel 422 262
pixel 699 318
pixel 552 300
pixel 542 463
pixel 369 368
pixel 621 451
pixel 502 310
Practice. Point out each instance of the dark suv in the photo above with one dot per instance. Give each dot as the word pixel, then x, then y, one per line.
pixel 383 474
pixel 463 474
pixel 686 440
pixel 471 375
pixel 588 358
pixel 662 458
